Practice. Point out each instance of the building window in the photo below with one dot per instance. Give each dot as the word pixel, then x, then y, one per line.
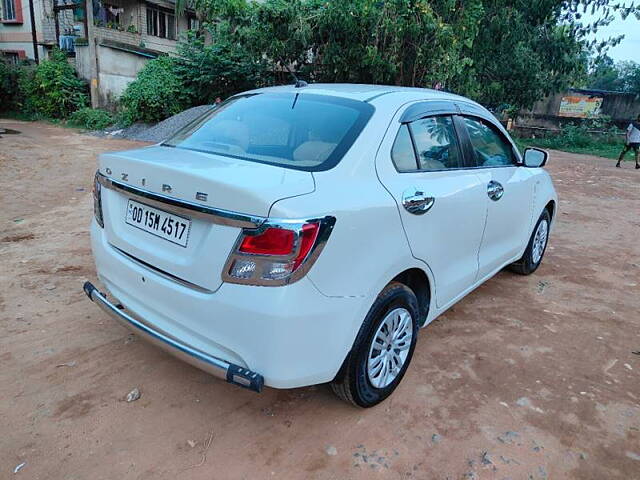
pixel 9 10
pixel 113 14
pixel 161 23
pixel 193 23
pixel 11 57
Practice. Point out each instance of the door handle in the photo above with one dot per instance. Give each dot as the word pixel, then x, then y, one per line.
pixel 495 190
pixel 417 202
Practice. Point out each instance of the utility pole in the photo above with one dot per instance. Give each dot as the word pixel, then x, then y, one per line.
pixel 93 55
pixel 34 35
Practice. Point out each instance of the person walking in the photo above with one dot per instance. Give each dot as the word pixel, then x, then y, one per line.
pixel 632 143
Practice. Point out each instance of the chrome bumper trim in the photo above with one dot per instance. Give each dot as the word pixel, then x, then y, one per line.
pixel 230 372
pixel 215 215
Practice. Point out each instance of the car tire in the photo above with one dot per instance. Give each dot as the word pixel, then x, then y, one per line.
pixel 357 382
pixel 534 253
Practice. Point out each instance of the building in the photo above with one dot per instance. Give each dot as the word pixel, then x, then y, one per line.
pixel 108 40
pixel 575 105
pixel 16 38
pixel 122 36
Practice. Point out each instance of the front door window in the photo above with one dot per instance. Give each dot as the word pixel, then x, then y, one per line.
pixel 490 148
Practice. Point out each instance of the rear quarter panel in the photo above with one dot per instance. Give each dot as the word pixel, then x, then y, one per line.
pixel 367 247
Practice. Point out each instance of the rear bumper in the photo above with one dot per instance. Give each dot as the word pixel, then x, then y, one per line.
pixel 292 335
pixel 217 367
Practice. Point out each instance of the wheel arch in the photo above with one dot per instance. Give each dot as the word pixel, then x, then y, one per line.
pixel 418 281
pixel 551 208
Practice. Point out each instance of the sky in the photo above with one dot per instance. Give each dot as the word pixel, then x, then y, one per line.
pixel 629 48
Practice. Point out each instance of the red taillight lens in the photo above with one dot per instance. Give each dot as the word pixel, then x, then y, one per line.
pixel 307 239
pixel 276 256
pixel 273 241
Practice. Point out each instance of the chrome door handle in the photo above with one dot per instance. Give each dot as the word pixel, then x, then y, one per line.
pixel 417 202
pixel 495 190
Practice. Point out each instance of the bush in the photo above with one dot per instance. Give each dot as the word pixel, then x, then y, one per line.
pixel 8 85
pixel 220 69
pixel 90 119
pixel 155 95
pixel 587 133
pixel 12 79
pixel 52 89
pixel 594 136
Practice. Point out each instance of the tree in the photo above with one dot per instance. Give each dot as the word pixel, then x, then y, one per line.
pixel 630 72
pixel 523 52
pixel 604 75
pixel 218 69
pixel 617 77
pixel 399 42
pixel 496 51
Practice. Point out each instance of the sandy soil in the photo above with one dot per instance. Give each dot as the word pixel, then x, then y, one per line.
pixel 527 378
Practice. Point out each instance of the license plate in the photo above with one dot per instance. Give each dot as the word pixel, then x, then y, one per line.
pixel 158 222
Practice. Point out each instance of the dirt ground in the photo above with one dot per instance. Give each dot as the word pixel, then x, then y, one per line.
pixel 527 378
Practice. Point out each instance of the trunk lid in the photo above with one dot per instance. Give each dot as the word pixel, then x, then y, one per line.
pixel 230 184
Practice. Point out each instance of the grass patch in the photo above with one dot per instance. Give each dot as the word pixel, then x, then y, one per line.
pixel 599 149
pixel 597 137
pixel 90 119
pixel 85 118
pixel 23 116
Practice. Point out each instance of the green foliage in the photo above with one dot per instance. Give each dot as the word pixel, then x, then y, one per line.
pixel 8 86
pixel 522 54
pixel 15 84
pixel 618 77
pixel 220 69
pixel 285 33
pixel 52 88
pixel 401 42
pixel 154 95
pixel 90 119
pixel 496 51
pixel 594 137
pixel 398 42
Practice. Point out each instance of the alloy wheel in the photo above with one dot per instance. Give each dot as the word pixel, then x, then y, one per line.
pixel 390 347
pixel 540 241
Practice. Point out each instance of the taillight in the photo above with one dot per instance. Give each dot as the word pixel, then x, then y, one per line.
pixel 97 201
pixel 279 254
pixel 273 241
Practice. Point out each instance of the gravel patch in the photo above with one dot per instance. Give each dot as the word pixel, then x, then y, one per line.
pixel 129 132
pixel 155 133
pixel 171 125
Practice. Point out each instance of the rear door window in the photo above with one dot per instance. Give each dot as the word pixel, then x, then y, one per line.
pixel 427 144
pixel 436 143
pixel 402 152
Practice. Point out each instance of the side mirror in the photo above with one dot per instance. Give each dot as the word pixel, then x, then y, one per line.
pixel 535 158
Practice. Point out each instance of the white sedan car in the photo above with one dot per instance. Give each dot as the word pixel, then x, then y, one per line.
pixel 304 234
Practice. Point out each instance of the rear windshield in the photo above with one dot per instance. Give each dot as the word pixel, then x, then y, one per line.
pixel 300 131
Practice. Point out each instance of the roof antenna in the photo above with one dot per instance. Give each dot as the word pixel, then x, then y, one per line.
pixel 299 83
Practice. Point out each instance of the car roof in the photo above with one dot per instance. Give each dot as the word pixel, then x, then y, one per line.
pixel 367 93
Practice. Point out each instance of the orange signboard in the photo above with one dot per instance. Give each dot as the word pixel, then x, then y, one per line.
pixel 580 106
